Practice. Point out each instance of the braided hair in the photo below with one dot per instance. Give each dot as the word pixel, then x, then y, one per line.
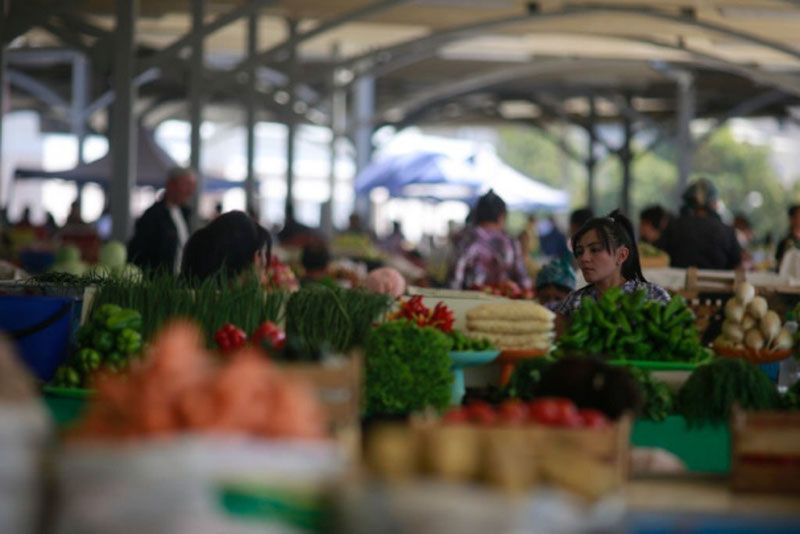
pixel 615 231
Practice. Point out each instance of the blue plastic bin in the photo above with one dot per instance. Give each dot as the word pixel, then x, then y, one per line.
pixel 41 327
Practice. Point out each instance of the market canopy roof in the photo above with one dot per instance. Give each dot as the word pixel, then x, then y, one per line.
pixel 152 166
pixel 445 60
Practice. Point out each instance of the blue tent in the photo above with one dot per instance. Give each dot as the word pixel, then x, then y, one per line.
pixel 438 176
pixel 403 174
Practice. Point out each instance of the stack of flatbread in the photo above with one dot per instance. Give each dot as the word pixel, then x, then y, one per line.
pixel 513 325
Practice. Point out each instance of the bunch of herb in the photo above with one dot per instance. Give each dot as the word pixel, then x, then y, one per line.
pixel 657 398
pixel 407 369
pixel 320 315
pixel 213 302
pixel 712 389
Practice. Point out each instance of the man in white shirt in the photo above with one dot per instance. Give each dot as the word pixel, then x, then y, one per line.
pixel 162 231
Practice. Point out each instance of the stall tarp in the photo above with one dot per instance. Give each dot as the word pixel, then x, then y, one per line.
pixel 400 172
pixel 152 166
pixel 436 175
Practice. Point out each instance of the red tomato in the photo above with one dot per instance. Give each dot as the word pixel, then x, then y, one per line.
pixel 593 418
pixel 555 411
pixel 482 413
pixel 456 416
pixel 514 412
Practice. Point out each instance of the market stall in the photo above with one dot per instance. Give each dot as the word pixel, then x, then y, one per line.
pixel 269 396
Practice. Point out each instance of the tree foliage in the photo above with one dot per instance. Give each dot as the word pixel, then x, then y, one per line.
pixel 743 173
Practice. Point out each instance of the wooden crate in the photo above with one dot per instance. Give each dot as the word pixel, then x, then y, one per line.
pixel 338 384
pixel 588 462
pixel 766 451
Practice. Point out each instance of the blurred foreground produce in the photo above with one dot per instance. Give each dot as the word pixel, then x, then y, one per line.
pixel 179 387
pixel 109 339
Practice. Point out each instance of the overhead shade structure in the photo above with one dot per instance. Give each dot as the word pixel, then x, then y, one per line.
pixel 153 165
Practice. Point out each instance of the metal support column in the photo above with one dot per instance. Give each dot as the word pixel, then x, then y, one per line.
pixel 196 105
pixel 591 159
pixel 251 194
pixel 3 104
pixel 290 120
pixel 626 158
pixel 364 102
pixel 80 99
pixel 338 125
pixel 123 139
pixel 685 143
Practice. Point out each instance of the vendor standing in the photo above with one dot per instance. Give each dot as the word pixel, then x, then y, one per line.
pixel 606 253
pixel 699 238
pixel 486 253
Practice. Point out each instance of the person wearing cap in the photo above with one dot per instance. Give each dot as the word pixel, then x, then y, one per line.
pixel 698 237
pixel 554 282
pixel 163 230
pixel 486 254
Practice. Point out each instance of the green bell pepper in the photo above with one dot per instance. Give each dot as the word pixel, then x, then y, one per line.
pixel 103 341
pixel 129 341
pixel 124 319
pixel 89 360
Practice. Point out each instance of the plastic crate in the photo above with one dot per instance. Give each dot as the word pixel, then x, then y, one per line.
pixel 705 449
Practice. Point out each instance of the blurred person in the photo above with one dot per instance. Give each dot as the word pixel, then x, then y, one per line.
pixel 315 259
pixel 792 238
pixel 578 218
pixel 163 230
pixel 232 245
pixel 653 220
pixel 295 234
pixel 745 237
pixel 394 243
pixel 698 237
pixel 81 234
pixel 552 242
pixel 527 254
pixel 487 254
pixel 554 282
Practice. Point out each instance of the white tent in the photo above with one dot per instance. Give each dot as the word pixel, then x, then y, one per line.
pixel 486 171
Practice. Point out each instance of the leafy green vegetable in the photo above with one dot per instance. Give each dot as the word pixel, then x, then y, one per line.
pixel 526 377
pixel 159 296
pixel 657 398
pixel 464 343
pixel 712 389
pixel 407 369
pixel 319 315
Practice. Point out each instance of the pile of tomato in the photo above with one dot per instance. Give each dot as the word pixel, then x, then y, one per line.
pixel 549 411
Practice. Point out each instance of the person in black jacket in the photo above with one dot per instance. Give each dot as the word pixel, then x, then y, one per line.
pixel 698 237
pixel 162 231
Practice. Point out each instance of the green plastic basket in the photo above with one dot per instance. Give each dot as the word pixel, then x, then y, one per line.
pixel 66 405
pixel 657 366
pixel 705 449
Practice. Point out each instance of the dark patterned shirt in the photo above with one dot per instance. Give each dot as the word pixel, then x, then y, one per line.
pixel 488 257
pixel 573 301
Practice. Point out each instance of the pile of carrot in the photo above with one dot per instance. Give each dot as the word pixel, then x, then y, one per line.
pixel 182 387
